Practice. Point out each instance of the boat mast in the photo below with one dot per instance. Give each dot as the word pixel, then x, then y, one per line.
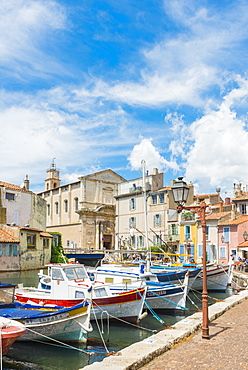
pixel 148 259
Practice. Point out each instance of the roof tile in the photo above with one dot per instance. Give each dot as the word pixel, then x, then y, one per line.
pixel 236 221
pixel 6 237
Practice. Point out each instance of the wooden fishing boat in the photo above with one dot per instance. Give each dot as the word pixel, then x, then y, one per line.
pixel 44 323
pixel 68 284
pixel 160 296
pixel 218 276
pixel 11 330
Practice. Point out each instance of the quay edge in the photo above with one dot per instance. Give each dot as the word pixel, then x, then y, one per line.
pixel 139 354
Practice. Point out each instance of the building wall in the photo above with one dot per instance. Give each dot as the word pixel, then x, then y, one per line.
pixel 27 208
pixel 87 226
pixel 29 259
pixel 33 258
pixel 11 262
pixel 130 208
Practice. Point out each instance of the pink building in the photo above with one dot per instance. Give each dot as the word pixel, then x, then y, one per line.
pixel 232 236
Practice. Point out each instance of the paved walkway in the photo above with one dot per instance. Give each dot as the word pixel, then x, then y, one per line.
pixel 227 348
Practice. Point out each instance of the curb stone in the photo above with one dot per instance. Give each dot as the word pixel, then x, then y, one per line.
pixel 139 354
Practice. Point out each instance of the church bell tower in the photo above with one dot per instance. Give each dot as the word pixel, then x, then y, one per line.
pixel 52 181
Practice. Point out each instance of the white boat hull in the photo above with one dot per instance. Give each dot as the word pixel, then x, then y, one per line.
pixel 131 310
pixel 63 327
pixel 218 277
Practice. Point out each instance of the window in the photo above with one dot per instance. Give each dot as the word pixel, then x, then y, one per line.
pixel 126 281
pixel 200 252
pixel 223 252
pixel 132 222
pixel 156 240
pixel 226 231
pixel 132 204
pixel 68 243
pixel 1 250
pixel 15 250
pixel 45 242
pixel 187 233
pixel 141 241
pixel 8 250
pixel 207 232
pixel 31 241
pixel 79 295
pixel 157 221
pixel 66 205
pixel 57 275
pixel 70 274
pixel 56 208
pixel 242 208
pixel 109 280
pixel 100 292
pixel 10 196
pixel 133 241
pixel 76 204
pixel 174 229
pixel 48 210
pixel 161 198
pixel 154 199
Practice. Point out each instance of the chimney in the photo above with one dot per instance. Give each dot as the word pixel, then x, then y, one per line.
pixel 221 206
pixel 26 183
pixel 227 201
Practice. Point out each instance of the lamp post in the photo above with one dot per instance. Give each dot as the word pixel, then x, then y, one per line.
pixel 180 191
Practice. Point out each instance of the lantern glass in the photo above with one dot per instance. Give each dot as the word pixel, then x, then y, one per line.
pixel 180 191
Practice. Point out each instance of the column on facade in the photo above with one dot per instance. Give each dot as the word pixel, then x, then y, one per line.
pixel 60 206
pixel 98 225
pixel 70 203
pixel 101 234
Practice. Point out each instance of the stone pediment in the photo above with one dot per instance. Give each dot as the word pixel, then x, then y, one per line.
pixel 106 208
pixel 106 175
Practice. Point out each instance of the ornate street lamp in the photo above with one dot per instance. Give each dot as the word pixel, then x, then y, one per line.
pixel 245 235
pixel 180 191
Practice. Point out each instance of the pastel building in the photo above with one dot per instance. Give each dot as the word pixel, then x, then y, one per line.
pixel 82 211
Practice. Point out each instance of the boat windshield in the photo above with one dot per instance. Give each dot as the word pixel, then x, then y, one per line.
pixel 75 273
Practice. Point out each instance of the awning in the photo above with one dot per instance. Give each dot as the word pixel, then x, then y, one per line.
pixel 243 249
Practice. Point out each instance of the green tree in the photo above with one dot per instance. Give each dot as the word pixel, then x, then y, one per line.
pixel 57 252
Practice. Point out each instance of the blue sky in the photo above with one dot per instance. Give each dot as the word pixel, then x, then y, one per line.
pixel 105 84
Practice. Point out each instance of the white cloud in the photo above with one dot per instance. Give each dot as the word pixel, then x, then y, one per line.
pixel 146 151
pixel 24 25
pixel 182 67
pixel 216 149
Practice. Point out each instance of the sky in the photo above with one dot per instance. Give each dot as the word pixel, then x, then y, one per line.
pixel 93 85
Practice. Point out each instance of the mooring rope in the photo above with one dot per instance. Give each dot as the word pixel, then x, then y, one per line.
pixel 127 322
pixel 167 300
pixel 97 324
pixel 56 341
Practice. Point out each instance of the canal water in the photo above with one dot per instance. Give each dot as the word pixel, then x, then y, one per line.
pixel 104 339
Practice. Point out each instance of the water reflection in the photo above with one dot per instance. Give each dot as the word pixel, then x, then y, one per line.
pixel 104 338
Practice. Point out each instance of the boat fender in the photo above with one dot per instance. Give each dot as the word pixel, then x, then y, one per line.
pixel 142 316
pixel 142 269
pixel 58 282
